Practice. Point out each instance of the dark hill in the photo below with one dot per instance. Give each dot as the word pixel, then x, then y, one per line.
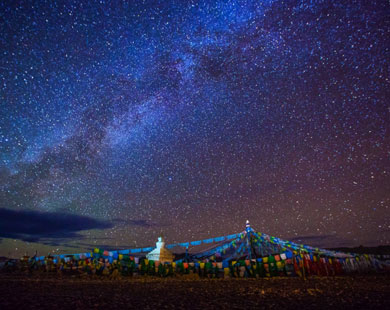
pixel 378 250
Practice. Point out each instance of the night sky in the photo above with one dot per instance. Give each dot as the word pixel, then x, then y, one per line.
pixel 121 121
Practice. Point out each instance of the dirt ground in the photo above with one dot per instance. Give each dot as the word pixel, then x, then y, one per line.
pixel 19 291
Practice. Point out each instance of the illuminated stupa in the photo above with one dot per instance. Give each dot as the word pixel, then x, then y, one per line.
pixel 160 253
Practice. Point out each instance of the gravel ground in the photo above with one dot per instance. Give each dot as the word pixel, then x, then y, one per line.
pixel 19 291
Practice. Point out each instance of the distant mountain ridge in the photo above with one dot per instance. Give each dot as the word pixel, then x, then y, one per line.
pixel 377 250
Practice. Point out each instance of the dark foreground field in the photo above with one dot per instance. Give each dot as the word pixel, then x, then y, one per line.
pixel 360 292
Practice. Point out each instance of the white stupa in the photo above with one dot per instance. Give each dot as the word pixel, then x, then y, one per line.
pixel 160 253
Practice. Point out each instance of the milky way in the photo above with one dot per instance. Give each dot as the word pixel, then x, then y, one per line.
pixel 185 118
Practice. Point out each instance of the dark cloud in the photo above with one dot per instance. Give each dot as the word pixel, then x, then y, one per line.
pixel 142 223
pixel 32 226
pixel 64 242
pixel 139 222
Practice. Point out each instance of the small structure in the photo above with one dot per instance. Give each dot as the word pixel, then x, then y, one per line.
pixel 160 253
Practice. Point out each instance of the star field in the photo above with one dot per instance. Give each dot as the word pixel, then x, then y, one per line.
pixel 185 118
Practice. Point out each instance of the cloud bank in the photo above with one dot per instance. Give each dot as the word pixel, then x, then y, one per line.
pixel 32 226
